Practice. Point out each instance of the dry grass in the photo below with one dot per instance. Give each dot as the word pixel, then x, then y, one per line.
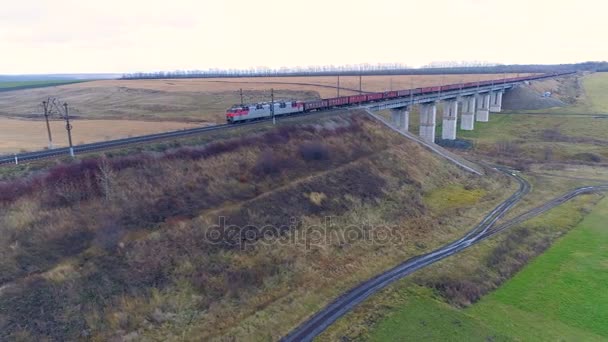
pixel 122 252
pixel 27 135
pixel 321 84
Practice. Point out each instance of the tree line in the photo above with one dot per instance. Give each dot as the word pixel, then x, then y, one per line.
pixel 374 69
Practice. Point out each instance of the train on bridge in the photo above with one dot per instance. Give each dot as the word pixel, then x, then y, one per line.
pixel 264 110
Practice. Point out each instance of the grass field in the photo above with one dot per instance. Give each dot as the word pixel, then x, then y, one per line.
pixel 429 319
pixel 565 286
pixel 558 296
pixel 20 85
pixel 594 99
pixel 596 88
pixel 324 85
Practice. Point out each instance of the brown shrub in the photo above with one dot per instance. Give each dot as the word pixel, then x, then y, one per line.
pixel 268 163
pixel 311 151
pixel 587 157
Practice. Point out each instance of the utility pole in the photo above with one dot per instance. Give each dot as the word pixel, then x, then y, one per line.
pixel 412 95
pixel 338 85
pixel 274 120
pixel 360 90
pixel 45 106
pixel 68 127
pixel 241 92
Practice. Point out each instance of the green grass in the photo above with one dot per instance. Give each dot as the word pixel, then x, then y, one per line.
pixel 596 89
pixel 594 101
pixel 427 319
pixel 452 197
pixel 565 285
pixel 533 135
pixel 561 295
pixel 527 127
pixel 19 85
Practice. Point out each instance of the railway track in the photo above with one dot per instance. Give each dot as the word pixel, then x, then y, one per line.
pixel 105 145
pixel 320 321
pixel 111 144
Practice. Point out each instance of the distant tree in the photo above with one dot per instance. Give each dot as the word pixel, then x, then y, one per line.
pixel 443 67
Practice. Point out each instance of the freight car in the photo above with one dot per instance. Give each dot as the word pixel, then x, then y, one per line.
pixel 337 101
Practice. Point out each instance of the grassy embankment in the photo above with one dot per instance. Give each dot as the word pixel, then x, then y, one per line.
pixel 120 248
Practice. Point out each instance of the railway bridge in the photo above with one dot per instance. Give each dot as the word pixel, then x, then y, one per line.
pixel 474 104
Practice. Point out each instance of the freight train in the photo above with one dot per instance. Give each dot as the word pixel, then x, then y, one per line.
pixel 258 111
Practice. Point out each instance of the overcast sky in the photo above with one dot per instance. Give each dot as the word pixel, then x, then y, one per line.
pixel 68 36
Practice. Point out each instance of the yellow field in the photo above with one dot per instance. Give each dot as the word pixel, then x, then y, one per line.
pixel 19 135
pixel 202 100
pixel 324 85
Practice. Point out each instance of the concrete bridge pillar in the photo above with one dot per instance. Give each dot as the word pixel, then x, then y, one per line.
pixel 400 117
pixel 450 117
pixel 467 120
pixel 428 114
pixel 496 102
pixel 483 107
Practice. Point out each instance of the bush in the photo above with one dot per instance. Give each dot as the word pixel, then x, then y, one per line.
pixel 267 163
pixel 314 151
pixel 460 292
pixel 553 135
pixel 10 191
pixel 108 235
pixel 457 143
pixel 508 147
pixel 587 157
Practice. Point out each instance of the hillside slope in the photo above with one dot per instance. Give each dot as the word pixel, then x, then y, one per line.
pixel 239 238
